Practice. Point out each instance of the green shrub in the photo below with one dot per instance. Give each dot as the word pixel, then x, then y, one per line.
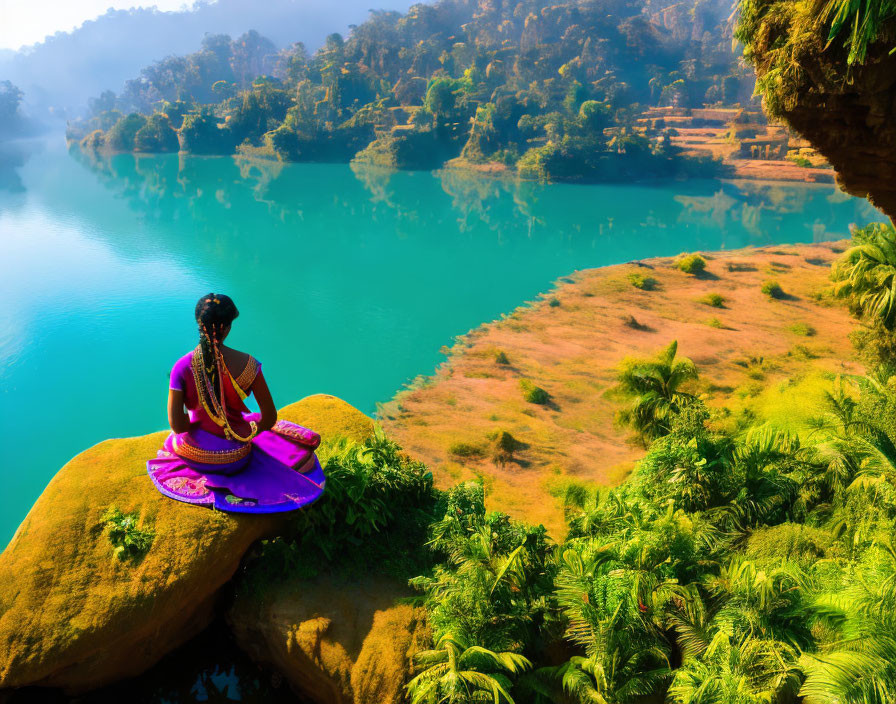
pixel 501 357
pixel 802 329
pixel 715 323
pixel 465 450
pixel 129 541
pixel 642 281
pixel 691 264
pixel 716 300
pixel 503 446
pixel 370 486
pixel 533 393
pixel 554 303
pixel 772 289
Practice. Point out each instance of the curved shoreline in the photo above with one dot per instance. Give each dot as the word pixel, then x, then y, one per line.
pixel 570 342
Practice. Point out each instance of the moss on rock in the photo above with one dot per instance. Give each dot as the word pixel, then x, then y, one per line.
pixel 845 107
pixel 330 416
pixel 72 614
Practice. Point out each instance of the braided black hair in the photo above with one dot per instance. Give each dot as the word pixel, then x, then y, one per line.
pixel 214 313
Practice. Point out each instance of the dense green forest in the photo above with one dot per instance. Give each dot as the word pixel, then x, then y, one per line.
pixel 739 564
pixel 552 88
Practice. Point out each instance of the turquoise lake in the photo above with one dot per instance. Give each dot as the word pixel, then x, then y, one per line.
pixel 349 281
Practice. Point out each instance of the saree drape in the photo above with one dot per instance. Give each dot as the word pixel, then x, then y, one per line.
pixel 276 471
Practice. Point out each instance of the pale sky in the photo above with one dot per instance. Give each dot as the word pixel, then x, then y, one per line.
pixel 24 22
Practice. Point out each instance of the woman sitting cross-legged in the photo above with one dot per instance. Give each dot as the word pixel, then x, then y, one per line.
pixel 219 453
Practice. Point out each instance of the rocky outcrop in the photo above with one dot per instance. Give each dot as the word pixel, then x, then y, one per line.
pixel 848 113
pixel 336 642
pixel 73 613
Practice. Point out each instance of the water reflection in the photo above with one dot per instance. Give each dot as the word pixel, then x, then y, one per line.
pixel 719 215
pixel 13 155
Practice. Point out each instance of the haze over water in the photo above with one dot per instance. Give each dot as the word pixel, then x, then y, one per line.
pixel 349 281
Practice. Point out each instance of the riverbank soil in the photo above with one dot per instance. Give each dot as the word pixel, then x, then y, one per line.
pixel 758 356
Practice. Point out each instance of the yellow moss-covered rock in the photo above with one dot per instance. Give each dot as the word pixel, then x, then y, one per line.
pixel 73 615
pixel 330 416
pixel 335 642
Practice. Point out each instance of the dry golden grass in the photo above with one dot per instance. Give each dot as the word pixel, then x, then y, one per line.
pixel 573 349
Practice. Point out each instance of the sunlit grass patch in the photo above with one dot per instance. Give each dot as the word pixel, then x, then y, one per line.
pixel 802 329
pixel 466 450
pixel 479 374
pixel 791 404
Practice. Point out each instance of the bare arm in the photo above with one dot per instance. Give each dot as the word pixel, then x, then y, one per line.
pixel 265 404
pixel 177 415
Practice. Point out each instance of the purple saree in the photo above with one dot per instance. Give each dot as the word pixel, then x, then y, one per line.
pixel 275 471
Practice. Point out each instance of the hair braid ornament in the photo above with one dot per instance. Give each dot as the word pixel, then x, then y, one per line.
pixel 204 386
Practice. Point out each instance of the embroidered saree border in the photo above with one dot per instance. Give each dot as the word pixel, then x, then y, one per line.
pixel 290 430
pixel 197 454
pixel 247 376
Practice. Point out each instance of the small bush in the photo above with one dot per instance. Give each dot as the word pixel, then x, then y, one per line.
pixel 501 357
pixel 691 264
pixel 739 266
pixel 533 393
pixel 772 289
pixel 554 303
pixel 715 323
pixel 128 541
pixel 642 281
pixel 633 323
pixel 465 449
pixel 802 329
pixel 716 300
pixel 503 447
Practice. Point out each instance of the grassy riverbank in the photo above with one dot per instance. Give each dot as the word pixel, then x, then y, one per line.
pixel 748 347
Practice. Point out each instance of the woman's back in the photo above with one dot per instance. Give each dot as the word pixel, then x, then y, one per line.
pixel 219 453
pixel 203 403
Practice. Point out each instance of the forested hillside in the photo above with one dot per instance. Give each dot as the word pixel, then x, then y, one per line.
pixel 551 88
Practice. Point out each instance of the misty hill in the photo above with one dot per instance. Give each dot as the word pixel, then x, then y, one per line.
pixel 62 72
pixel 551 89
